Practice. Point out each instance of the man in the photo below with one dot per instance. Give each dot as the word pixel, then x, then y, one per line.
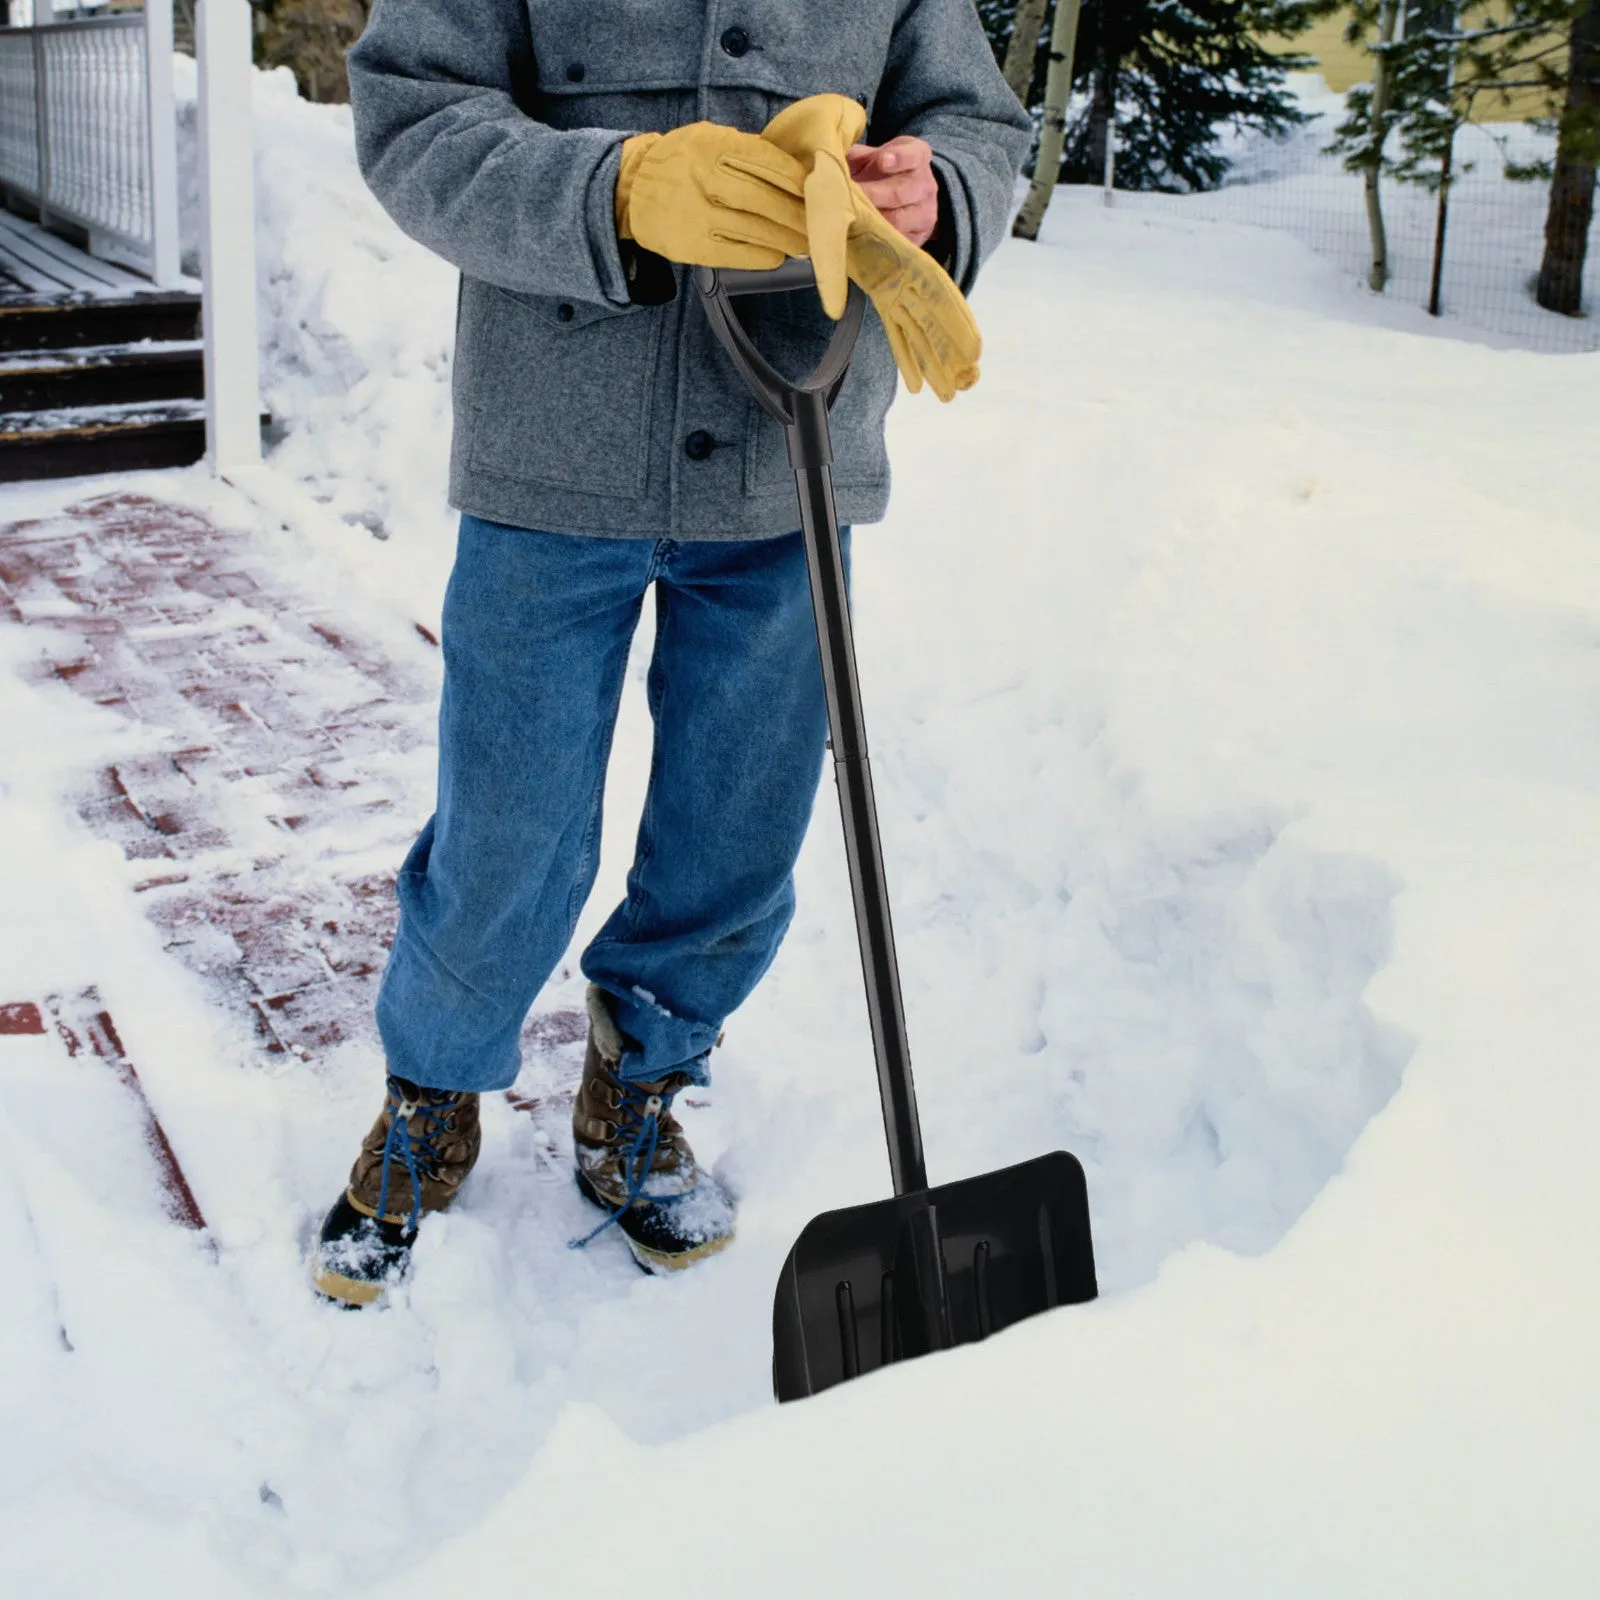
pixel 571 157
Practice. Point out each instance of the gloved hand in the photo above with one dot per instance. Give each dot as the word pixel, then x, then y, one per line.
pixel 711 196
pixel 931 330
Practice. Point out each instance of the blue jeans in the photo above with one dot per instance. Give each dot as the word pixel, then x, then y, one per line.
pixel 536 634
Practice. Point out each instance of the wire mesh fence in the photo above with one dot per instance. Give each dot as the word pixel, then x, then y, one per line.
pixel 1493 236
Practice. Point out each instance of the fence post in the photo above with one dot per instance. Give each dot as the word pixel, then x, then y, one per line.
pixel 1436 279
pixel 165 269
pixel 1446 162
pixel 228 235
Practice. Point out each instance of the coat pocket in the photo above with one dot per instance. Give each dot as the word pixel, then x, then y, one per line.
pixel 561 390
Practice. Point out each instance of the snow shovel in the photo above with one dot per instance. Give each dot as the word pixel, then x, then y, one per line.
pixel 930 1268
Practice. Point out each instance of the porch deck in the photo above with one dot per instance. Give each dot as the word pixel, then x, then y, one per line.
pixel 37 266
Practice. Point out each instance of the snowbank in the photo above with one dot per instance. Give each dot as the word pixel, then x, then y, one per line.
pixel 357 325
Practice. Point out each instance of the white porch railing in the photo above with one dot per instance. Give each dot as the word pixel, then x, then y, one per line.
pixel 87 134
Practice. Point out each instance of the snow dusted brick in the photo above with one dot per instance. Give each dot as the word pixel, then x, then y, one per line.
pixel 21 1017
pixel 263 754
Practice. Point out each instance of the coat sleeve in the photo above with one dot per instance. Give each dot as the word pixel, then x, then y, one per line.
pixel 438 89
pixel 941 83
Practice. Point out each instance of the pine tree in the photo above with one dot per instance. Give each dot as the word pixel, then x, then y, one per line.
pixel 1572 174
pixel 998 18
pixel 1171 76
pixel 1415 47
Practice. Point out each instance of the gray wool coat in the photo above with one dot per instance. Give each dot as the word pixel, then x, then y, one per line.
pixel 490 131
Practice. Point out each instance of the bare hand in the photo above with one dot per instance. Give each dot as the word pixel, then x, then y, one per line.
pixel 898 179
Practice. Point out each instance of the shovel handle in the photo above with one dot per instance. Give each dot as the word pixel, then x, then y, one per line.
pixel 775 393
pixel 802 409
pixel 795 273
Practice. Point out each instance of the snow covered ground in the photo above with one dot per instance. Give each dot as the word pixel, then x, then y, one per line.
pixel 1232 666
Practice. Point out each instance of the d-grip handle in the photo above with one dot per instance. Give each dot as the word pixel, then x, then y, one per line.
pixel 795 273
pixel 775 393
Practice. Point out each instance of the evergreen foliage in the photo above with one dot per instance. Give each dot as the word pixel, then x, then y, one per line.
pixel 1451 65
pixel 997 17
pixel 1443 74
pixel 1174 74
pixel 1424 111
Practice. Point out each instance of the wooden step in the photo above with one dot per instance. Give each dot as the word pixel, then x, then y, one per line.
pixel 100 375
pixel 66 323
pixel 80 440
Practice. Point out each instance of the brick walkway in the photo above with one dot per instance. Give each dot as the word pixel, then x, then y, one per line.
pixel 273 769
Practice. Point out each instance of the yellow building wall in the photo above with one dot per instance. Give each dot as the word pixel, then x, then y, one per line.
pixel 1340 63
pixel 1343 64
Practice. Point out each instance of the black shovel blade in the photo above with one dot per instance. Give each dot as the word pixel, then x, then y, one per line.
pixel 862 1287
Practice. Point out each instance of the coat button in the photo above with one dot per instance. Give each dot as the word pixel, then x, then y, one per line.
pixel 575 72
pixel 699 445
pixel 564 312
pixel 736 41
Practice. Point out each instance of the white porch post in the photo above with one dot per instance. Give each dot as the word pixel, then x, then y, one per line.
pixel 228 236
pixel 165 270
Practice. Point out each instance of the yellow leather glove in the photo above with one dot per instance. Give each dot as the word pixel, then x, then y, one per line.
pixel 711 196
pixel 931 329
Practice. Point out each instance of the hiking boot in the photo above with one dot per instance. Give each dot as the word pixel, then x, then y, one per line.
pixel 634 1161
pixel 414 1160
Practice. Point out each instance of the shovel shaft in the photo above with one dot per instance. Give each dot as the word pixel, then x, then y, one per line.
pixel 802 408
pixel 811 455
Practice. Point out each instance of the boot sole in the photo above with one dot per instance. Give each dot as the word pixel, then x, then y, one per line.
pixel 347 1290
pixel 654 1261
pixel 349 1294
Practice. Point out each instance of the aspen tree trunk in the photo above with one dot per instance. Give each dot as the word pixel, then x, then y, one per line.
pixel 1053 135
pixel 1024 46
pixel 1567 222
pixel 1382 72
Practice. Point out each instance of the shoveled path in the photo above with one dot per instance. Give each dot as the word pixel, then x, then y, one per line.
pixel 272 768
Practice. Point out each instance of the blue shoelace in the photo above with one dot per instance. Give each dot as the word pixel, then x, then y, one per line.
pixel 415 1150
pixel 640 1125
